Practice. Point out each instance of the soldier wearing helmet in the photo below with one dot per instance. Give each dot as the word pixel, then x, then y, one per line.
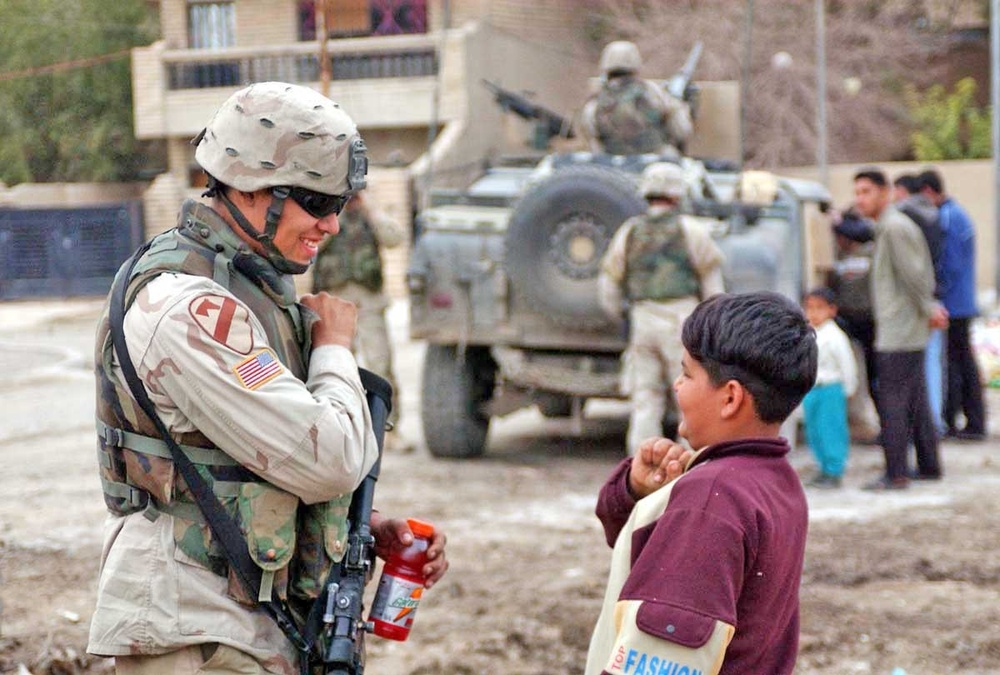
pixel 350 266
pixel 658 267
pixel 259 388
pixel 633 116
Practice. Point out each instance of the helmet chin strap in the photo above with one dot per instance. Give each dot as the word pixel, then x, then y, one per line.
pixel 266 238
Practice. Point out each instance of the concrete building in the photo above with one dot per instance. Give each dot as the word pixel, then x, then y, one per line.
pixel 408 71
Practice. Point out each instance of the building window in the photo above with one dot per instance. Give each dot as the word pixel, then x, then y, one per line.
pixel 394 17
pixel 211 25
pixel 351 18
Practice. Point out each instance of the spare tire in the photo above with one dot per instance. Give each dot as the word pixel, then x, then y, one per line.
pixel 557 235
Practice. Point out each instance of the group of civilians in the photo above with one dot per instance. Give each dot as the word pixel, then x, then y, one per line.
pixel 904 289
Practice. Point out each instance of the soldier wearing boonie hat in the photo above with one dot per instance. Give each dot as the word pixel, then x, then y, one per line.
pixel 260 390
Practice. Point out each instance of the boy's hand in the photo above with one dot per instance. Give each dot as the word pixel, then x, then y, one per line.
pixel 659 461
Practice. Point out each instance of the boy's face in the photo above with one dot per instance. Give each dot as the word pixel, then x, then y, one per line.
pixel 818 310
pixel 696 402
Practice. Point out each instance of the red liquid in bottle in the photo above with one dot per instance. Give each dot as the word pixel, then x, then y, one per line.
pixel 402 584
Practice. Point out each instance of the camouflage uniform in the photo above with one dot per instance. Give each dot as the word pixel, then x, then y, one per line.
pixel 663 263
pixel 301 427
pixel 632 116
pixel 279 430
pixel 349 265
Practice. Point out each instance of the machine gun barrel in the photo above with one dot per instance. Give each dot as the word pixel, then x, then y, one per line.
pixel 677 85
pixel 552 122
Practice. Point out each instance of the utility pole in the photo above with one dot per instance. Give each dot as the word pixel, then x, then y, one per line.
pixel 324 57
pixel 995 127
pixel 821 138
pixel 745 84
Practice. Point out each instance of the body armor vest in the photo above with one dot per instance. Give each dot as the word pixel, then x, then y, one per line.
pixel 627 122
pixel 657 262
pixel 293 543
pixel 350 255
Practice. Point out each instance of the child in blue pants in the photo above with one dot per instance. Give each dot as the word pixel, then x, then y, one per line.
pixel 825 406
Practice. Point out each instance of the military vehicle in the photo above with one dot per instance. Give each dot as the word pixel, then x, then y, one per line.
pixel 503 278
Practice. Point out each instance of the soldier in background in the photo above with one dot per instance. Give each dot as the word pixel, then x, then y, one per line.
pixel 630 115
pixel 659 266
pixel 349 265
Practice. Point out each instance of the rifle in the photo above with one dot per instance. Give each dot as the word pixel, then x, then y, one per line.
pixel 341 634
pixel 679 86
pixel 548 123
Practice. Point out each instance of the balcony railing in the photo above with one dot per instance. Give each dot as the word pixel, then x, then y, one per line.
pixel 350 59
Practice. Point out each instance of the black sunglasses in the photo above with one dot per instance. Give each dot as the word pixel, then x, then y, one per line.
pixel 317 204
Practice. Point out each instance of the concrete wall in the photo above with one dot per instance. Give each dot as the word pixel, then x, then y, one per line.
pixel 969 182
pixel 717 124
pixel 68 195
pixel 479 128
pixel 266 22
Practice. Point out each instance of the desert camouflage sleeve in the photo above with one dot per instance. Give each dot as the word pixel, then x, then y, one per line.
pixel 677 112
pixel 612 274
pixel 588 125
pixel 706 256
pixel 208 366
pixel 389 231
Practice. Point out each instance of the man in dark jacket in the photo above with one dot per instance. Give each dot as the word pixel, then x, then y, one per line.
pixel 958 293
pixel 924 213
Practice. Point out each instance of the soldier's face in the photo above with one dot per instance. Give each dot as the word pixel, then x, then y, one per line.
pixel 299 234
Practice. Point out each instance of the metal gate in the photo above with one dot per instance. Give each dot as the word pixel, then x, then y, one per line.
pixel 65 252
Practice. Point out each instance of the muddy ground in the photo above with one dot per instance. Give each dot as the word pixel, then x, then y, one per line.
pixel 905 581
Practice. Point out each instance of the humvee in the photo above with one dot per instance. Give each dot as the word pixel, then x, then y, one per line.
pixel 503 274
pixel 503 280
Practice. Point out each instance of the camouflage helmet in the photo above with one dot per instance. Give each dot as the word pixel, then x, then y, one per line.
pixel 620 56
pixel 663 179
pixel 277 134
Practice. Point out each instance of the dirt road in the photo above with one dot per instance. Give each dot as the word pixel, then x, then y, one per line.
pixel 905 581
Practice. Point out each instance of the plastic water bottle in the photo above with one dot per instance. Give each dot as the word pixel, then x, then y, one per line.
pixel 402 584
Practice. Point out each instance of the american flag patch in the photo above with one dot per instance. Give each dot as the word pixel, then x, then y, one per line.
pixel 257 369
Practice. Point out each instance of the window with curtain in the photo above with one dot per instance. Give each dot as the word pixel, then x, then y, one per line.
pixel 346 18
pixel 211 25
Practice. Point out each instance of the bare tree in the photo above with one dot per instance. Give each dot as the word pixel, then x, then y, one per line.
pixel 874 48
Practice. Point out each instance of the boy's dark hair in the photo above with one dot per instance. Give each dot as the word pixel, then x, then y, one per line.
pixel 876 176
pixel 763 341
pixel 931 179
pixel 908 182
pixel 824 294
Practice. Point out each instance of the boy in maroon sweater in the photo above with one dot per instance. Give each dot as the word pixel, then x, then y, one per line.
pixel 705 570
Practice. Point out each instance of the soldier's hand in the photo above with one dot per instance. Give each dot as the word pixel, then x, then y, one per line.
pixel 393 534
pixel 338 319
pixel 659 461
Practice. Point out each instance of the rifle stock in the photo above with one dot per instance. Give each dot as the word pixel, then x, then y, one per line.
pixel 342 633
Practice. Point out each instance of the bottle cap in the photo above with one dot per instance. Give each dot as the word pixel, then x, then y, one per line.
pixel 420 528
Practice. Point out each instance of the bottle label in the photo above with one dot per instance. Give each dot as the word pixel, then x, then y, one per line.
pixel 396 601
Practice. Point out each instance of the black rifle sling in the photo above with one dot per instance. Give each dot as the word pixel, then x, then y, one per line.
pixel 223 527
